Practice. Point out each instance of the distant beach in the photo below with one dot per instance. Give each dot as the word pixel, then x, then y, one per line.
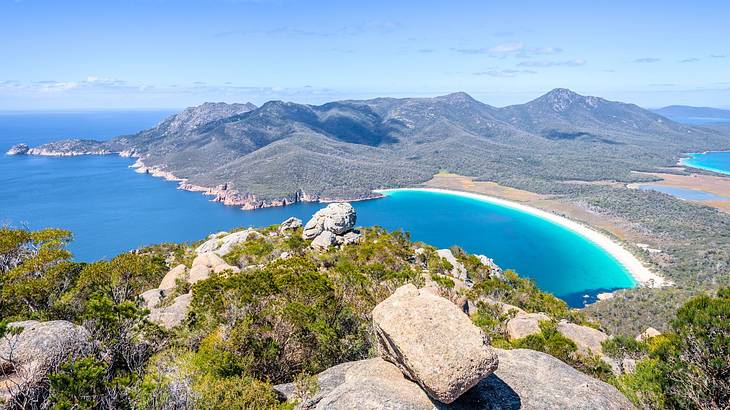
pixel 638 271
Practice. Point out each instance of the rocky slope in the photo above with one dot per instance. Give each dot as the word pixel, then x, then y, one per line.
pixel 282 152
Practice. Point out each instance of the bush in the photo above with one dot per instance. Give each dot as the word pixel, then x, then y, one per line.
pixel 695 359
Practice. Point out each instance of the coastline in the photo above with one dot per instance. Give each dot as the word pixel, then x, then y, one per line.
pixel 641 275
pixel 687 157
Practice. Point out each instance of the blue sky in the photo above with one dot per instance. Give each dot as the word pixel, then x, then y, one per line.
pixel 156 53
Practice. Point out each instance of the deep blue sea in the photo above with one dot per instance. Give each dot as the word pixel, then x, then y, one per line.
pixel 111 209
pixel 717 161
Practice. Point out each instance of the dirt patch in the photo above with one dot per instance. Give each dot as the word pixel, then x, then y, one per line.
pixel 712 184
pixel 462 183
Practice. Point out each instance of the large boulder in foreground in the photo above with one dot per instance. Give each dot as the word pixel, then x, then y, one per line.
pixel 433 342
pixel 26 357
pixel 525 379
pixel 337 218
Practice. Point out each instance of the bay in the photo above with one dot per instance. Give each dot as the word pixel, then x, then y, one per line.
pixel 111 209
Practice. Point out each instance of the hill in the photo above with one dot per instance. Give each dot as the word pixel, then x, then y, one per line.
pixel 284 152
pixel 694 115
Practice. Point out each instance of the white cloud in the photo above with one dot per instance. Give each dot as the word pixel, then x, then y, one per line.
pixel 544 63
pixel 506 48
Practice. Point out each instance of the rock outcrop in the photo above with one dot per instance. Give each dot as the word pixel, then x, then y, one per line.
pixel 174 314
pixel 587 339
pixel 290 224
pixel 26 357
pixel 525 379
pixel 324 240
pixel 175 274
pixel 207 263
pixel 223 245
pixel 433 342
pixel 337 218
pixel 457 268
pixel 18 149
pixel 171 314
pixel 525 324
pixel 648 334
pixel 332 225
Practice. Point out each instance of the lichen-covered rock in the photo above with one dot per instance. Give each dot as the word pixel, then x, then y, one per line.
pixel 151 298
pixel 289 224
pixel 525 324
pixel 587 339
pixel 433 342
pixel 648 334
pixel 458 270
pixel 324 240
pixel 178 272
pixel 349 238
pixel 222 246
pixel 371 384
pixel 525 380
pixel 206 263
pixel 26 357
pixel 174 314
pixel 337 218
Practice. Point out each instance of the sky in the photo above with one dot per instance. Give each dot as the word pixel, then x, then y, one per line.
pixel 113 54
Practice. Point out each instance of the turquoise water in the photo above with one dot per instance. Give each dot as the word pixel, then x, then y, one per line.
pixel 111 209
pixel 683 193
pixel 717 161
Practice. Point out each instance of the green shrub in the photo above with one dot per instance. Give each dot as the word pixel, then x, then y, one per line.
pixel 78 384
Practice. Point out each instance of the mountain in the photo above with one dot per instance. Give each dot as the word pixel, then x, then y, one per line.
pixel 694 115
pixel 284 152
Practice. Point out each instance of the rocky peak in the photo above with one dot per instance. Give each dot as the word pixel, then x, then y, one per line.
pixel 459 97
pixel 561 99
pixel 193 117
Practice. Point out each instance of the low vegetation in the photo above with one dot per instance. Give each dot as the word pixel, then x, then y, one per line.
pixel 285 319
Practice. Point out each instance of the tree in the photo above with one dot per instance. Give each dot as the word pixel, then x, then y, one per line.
pixel 695 359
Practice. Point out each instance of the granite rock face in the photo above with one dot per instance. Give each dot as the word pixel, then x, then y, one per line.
pixel 324 240
pixel 525 379
pixel 337 218
pixel 290 224
pixel 525 324
pixel 178 272
pixel 648 334
pixel 587 339
pixel 433 342
pixel 223 245
pixel 174 314
pixel 457 270
pixel 26 357
pixel 207 263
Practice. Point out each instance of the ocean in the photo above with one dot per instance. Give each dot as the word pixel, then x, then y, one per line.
pixel 717 161
pixel 111 209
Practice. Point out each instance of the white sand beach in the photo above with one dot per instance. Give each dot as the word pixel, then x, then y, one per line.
pixel 638 271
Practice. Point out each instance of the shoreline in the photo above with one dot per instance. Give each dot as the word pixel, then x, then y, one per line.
pixel 230 197
pixel 688 156
pixel 638 272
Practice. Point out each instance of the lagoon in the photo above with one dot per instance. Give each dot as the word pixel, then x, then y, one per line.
pixel 112 209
